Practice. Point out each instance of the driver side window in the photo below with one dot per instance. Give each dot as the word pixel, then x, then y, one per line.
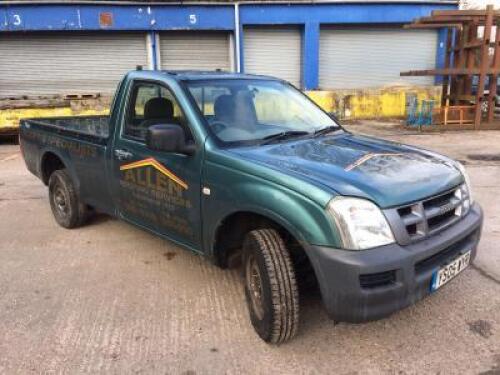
pixel 152 104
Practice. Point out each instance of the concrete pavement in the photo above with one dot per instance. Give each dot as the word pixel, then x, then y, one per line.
pixel 110 298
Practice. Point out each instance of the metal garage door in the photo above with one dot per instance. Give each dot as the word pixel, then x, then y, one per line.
pixel 38 64
pixel 274 51
pixel 195 50
pixel 365 58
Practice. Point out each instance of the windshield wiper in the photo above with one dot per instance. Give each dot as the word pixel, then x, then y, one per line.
pixel 283 135
pixel 326 130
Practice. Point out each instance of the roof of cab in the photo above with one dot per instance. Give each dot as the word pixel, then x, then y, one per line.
pixel 195 75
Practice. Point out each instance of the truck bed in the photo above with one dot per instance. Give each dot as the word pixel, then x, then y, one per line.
pixel 93 128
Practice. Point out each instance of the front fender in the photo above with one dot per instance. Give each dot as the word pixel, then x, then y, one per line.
pixel 305 219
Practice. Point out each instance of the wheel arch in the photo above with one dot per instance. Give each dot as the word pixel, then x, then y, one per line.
pixel 51 161
pixel 232 228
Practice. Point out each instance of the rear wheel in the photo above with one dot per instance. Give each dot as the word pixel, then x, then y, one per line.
pixel 270 286
pixel 68 211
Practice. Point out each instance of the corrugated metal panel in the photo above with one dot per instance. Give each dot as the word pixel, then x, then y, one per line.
pixel 195 50
pixel 364 58
pixel 274 51
pixel 37 64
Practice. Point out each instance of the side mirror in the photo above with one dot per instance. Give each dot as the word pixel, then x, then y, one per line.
pixel 168 138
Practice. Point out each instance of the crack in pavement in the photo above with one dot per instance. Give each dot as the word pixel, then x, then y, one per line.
pixel 485 274
pixel 10 157
pixel 20 199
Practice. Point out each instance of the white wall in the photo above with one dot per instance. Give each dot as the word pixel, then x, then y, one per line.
pixel 478 4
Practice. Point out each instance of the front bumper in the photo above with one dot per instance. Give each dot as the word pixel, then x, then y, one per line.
pixel 359 286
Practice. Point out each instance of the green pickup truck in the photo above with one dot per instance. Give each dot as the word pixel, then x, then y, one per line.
pixel 247 170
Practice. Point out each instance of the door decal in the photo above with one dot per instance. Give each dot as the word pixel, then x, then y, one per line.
pixel 151 162
pixel 154 196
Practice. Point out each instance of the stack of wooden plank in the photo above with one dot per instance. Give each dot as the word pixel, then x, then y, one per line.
pixel 471 67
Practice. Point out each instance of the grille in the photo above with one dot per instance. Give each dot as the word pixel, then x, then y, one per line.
pixel 426 217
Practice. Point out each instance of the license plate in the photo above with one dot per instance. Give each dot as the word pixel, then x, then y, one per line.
pixel 448 272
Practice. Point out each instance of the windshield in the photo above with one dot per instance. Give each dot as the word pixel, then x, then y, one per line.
pixel 243 110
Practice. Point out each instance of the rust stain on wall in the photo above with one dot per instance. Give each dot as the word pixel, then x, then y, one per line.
pixel 105 19
pixel 9 117
pixel 387 102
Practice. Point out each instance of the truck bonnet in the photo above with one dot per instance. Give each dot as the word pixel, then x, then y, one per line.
pixel 390 174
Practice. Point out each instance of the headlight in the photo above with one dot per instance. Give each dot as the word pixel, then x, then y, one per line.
pixel 461 168
pixel 360 222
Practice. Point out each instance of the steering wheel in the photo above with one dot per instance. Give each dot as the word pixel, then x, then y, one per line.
pixel 218 126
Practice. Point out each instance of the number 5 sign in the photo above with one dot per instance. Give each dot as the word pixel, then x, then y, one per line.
pixel 193 19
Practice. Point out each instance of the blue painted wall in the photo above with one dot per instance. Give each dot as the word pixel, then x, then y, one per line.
pixel 336 13
pixel 310 55
pixel 309 17
pixel 86 17
pixel 441 53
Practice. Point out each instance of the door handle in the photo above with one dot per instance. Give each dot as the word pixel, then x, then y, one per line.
pixel 123 154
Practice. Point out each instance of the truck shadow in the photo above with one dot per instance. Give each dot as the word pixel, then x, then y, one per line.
pixel 98 218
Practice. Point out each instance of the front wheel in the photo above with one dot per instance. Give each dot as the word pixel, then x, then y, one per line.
pixel 270 286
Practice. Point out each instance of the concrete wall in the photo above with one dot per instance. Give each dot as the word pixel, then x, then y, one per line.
pixel 387 102
pixel 9 117
pixel 346 104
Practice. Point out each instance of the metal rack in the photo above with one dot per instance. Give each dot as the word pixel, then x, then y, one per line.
pixel 464 98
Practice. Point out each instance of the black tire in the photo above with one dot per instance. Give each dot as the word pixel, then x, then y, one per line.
pixel 68 211
pixel 270 286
